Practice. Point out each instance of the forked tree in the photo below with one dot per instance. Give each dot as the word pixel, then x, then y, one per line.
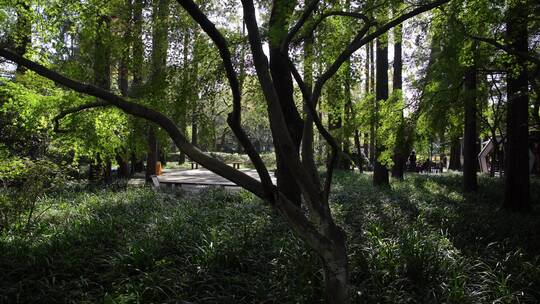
pixel 300 197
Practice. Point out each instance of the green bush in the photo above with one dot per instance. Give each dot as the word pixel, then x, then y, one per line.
pixel 25 183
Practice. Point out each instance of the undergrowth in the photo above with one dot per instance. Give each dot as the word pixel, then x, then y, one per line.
pixel 422 241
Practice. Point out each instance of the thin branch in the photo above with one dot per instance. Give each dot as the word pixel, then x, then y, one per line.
pixel 354 15
pixel 360 41
pixel 294 30
pixel 504 47
pixel 525 56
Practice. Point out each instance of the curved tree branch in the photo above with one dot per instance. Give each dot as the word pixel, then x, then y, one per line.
pixel 314 26
pixel 506 48
pixel 245 181
pixel 57 118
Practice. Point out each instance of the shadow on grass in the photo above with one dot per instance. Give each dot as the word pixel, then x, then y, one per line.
pixel 424 241
pixel 137 246
pixel 421 241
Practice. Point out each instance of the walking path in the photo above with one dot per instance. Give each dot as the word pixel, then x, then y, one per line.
pixel 201 177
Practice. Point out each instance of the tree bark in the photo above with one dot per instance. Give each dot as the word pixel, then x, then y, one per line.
pixel 308 132
pixel 380 172
pixel 123 165
pixel 283 84
pixel 152 154
pixel 372 135
pixel 516 194
pixel 123 68
pixel 122 158
pixel 401 150
pixel 194 131
pixel 138 47
pixel 184 91
pixel 158 75
pixel 455 154
pixel 336 274
pixel 470 163
pixel 102 76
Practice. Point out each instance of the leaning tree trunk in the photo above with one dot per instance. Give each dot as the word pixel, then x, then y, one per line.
pixel 470 162
pixel 380 172
pixel 516 194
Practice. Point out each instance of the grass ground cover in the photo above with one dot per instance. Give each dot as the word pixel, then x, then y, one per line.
pixel 422 241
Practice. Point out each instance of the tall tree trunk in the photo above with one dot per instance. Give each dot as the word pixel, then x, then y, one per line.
pixel 122 158
pixel 372 135
pixel 152 154
pixel 123 68
pixel 135 89
pixel 348 117
pixel 470 162
pixel 358 147
pixel 516 194
pixel 282 78
pixel 380 172
pixel 183 100
pixel 308 132
pixel 401 150
pixel 102 71
pixel 194 130
pixel 455 154
pixel 138 47
pixel 158 75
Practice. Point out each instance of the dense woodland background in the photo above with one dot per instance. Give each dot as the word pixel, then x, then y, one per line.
pixel 93 93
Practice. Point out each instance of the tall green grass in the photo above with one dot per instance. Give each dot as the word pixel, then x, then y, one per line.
pixel 421 241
